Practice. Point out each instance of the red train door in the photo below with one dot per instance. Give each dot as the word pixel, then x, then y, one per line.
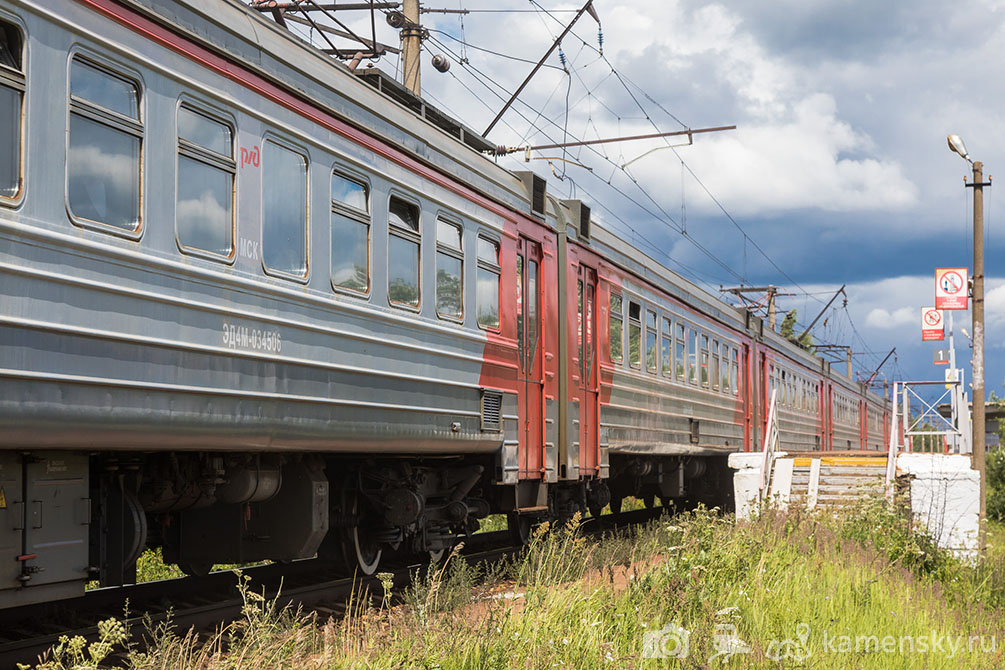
pixel 746 395
pixel 764 395
pixel 588 382
pixel 531 377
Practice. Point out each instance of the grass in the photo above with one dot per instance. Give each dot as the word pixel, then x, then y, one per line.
pixel 813 590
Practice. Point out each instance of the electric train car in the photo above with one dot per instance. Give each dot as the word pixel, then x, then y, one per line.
pixel 256 305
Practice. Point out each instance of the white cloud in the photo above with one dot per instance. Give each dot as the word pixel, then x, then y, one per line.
pixel 882 319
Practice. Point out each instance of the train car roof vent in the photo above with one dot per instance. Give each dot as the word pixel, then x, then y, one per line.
pixel 755 324
pixel 580 214
pixel 537 189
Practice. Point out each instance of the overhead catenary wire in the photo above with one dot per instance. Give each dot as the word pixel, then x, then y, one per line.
pixel 623 80
pixel 664 217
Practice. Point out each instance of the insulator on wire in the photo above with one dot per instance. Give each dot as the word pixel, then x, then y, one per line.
pixel 561 57
pixel 600 40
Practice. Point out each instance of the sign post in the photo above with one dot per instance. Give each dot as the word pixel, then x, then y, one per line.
pixel 951 288
pixel 932 326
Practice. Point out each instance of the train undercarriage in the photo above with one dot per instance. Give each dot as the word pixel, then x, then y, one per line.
pixel 69 518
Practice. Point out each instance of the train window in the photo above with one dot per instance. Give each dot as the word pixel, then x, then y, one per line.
pixel 350 235
pixel 532 289
pixel 204 214
pixel 666 366
pixel 350 193
pixel 616 328
pixel 284 209
pixel 714 372
pixel 680 353
pixel 724 372
pixel 579 321
pixel 449 271
pixel 652 352
pixel 634 335
pixel 12 88
pixel 692 356
pixel 403 250
pixel 488 284
pixel 734 372
pixel 103 164
pixel 715 364
pixel 704 361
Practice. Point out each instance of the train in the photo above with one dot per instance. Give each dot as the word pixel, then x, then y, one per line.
pixel 258 305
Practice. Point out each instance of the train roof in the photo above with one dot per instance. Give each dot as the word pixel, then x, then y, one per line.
pixel 373 101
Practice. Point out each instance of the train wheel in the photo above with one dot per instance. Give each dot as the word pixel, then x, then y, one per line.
pixel 650 501
pixel 519 528
pixel 615 505
pixel 358 549
pixel 195 567
pixel 596 511
pixel 436 556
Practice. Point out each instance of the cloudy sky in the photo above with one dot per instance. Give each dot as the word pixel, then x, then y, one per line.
pixel 838 169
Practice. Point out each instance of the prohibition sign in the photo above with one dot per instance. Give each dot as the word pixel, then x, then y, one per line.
pixel 951 288
pixel 952 282
pixel 932 317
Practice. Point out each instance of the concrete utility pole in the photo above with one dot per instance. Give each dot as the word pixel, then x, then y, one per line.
pixel 772 292
pixel 411 46
pixel 772 314
pixel 977 362
pixel 977 365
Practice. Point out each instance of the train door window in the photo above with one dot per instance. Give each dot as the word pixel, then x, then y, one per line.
pixel 350 235
pixel 616 328
pixel 449 271
pixel 284 210
pixel 488 284
pixel 634 335
pixel 680 353
pixel 704 361
pixel 204 213
pixel 403 252
pixel 579 319
pixel 519 308
pixel 692 356
pixel 590 353
pixel 104 147
pixel 12 88
pixel 530 304
pixel 652 351
pixel 715 364
pixel 734 372
pixel 666 365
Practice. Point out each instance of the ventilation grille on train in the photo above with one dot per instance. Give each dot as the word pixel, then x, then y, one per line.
pixel 579 215
pixel 537 188
pixel 584 222
pixel 491 411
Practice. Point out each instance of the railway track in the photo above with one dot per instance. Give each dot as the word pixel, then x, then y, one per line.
pixel 206 602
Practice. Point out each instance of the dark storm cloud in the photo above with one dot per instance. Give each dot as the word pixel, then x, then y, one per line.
pixel 862 30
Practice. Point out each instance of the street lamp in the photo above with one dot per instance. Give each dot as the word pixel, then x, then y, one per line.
pixel 977 363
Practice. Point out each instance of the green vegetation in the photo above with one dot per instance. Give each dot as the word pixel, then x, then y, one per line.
pixel 814 590
pixel 995 469
pixel 788 331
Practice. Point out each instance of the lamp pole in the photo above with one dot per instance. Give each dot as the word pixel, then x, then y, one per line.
pixel 977 312
pixel 977 365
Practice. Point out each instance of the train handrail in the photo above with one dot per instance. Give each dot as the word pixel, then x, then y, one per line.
pixel 770 439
